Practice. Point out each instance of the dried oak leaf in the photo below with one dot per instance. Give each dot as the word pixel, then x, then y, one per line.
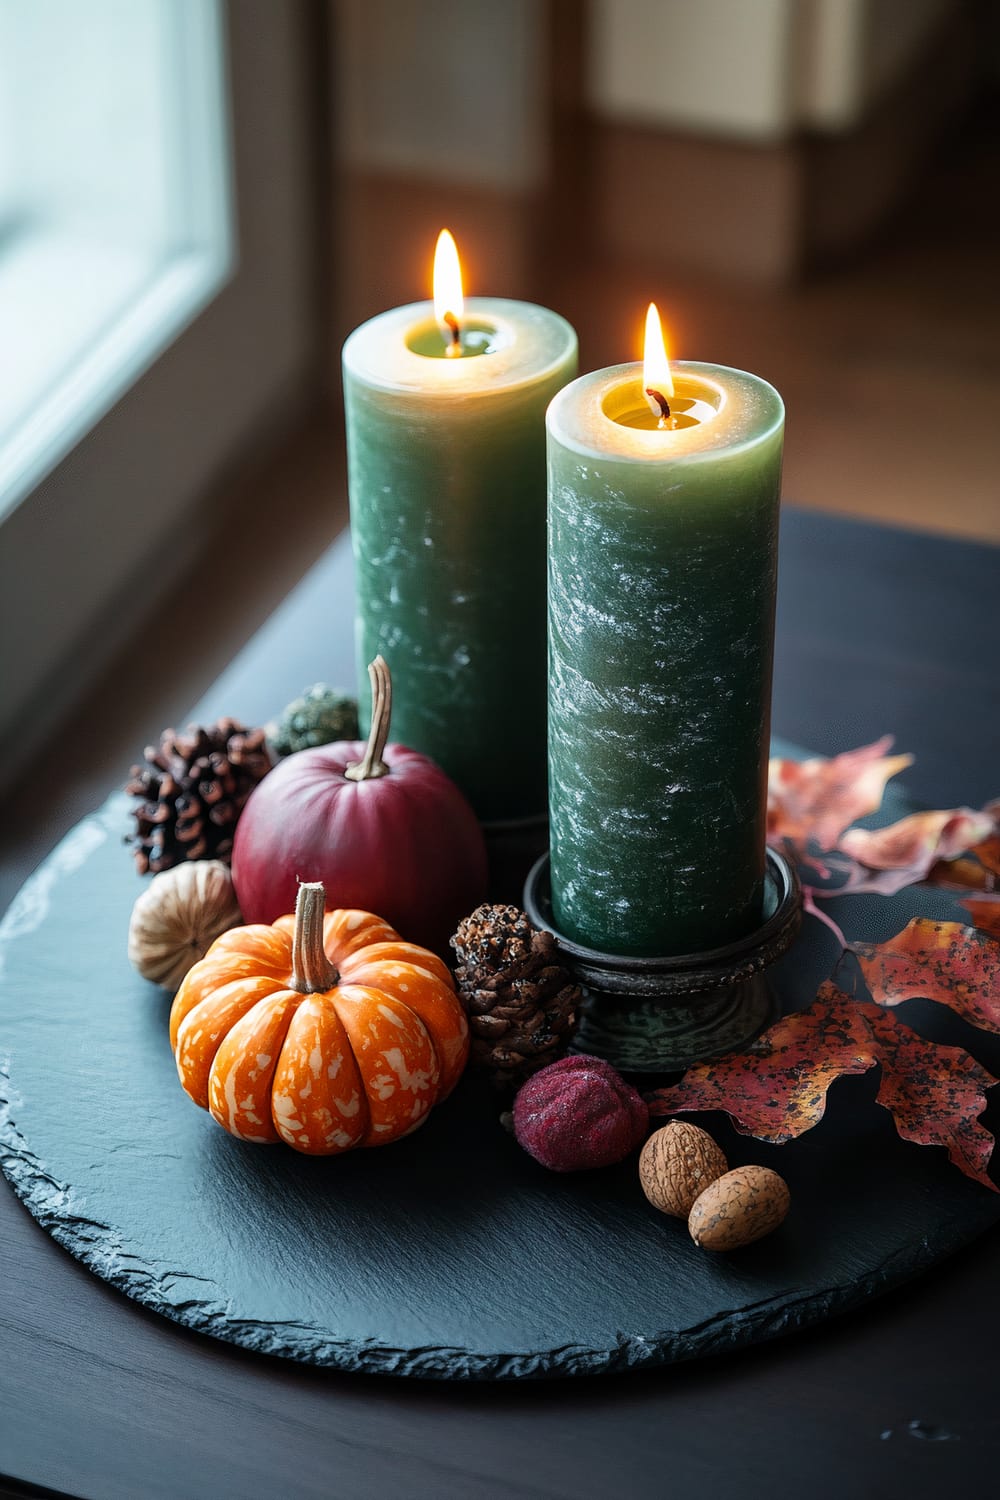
pixel 979 867
pixel 945 961
pixel 935 1094
pixel 887 859
pixel 985 912
pixel 813 801
pixel 777 1089
pixel 810 804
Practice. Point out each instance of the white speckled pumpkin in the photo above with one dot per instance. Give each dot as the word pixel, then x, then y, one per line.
pixel 323 1032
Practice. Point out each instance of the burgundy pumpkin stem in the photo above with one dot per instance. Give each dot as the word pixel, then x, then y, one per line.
pixel 312 971
pixel 371 763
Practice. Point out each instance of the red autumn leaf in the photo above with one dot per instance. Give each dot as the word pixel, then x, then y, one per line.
pixel 985 912
pixel 902 854
pixel 776 1089
pixel 935 1094
pixel 988 852
pixel 810 804
pixel 815 800
pixel 979 868
pixel 945 961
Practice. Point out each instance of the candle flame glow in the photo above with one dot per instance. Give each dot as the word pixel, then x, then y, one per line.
pixel 449 304
pixel 657 381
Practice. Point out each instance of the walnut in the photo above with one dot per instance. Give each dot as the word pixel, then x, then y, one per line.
pixel 739 1208
pixel 677 1164
pixel 178 917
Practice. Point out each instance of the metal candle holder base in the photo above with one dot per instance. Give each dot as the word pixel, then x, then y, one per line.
pixel 659 1015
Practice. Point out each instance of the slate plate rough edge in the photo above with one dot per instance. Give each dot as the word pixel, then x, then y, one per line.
pixel 101 1248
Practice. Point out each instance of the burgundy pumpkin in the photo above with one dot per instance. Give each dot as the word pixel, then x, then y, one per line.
pixel 381 826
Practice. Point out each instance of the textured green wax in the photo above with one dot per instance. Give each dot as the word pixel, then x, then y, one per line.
pixel 446 467
pixel 662 574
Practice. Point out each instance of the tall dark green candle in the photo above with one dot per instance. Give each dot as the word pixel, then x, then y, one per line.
pixel 663 549
pixel 446 467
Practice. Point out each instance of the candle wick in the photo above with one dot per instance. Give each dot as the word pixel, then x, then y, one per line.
pixel 455 346
pixel 663 404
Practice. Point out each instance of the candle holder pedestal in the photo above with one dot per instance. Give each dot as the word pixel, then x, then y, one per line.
pixel 663 1014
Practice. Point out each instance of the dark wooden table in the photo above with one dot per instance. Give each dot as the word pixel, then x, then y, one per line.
pixel 878 631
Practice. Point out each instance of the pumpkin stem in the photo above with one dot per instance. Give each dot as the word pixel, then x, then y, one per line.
pixel 371 763
pixel 312 971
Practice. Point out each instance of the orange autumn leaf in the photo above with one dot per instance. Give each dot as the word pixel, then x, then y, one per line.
pixel 979 868
pixel 985 912
pixel 903 853
pixel 815 800
pixel 988 852
pixel 955 965
pixel 777 1089
pixel 810 804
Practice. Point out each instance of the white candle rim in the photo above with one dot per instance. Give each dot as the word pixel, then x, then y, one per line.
pixel 538 341
pixel 621 444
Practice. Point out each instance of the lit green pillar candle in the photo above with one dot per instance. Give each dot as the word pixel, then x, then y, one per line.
pixel 663 546
pixel 446 467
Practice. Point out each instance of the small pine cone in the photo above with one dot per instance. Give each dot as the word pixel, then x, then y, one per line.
pixel 191 790
pixel 520 1000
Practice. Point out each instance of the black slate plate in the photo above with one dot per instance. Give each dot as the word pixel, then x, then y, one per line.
pixel 450 1255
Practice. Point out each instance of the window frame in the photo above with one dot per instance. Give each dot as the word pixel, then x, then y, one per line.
pixel 99 542
pixel 112 245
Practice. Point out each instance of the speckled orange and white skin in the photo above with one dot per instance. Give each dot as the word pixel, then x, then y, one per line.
pixel 360 1063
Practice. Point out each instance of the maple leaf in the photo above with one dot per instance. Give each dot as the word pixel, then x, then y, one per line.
pixel 815 800
pixel 945 961
pixel 777 1089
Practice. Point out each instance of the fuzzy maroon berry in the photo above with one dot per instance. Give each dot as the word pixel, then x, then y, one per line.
pixel 579 1113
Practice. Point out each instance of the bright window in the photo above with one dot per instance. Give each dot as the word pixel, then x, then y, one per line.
pixel 114 207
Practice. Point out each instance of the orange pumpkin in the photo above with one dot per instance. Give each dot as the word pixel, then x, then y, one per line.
pixel 323 1032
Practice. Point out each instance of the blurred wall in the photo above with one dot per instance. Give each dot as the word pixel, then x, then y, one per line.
pixel 441 118
pixel 759 71
pixel 443 88
pixel 764 138
pixel 745 139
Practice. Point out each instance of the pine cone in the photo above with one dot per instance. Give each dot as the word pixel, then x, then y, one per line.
pixel 192 790
pixel 520 1000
